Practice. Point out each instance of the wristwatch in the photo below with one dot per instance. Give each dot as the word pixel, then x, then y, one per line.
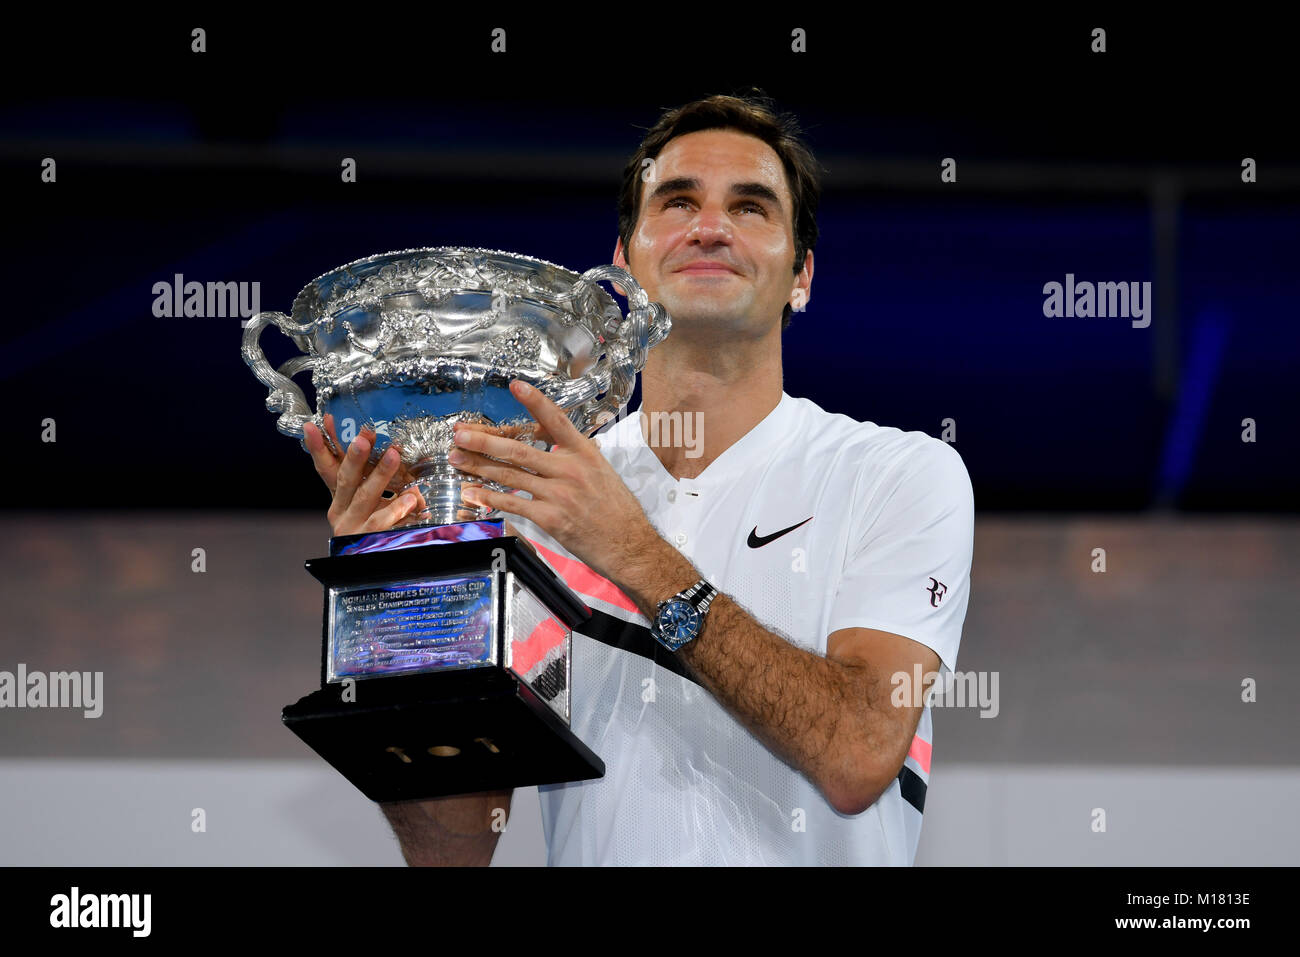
pixel 681 618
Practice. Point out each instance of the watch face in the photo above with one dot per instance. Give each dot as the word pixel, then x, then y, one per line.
pixel 677 621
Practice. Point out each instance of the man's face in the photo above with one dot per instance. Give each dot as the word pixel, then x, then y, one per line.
pixel 714 241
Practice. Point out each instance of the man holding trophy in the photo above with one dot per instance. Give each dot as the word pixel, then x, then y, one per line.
pixel 755 599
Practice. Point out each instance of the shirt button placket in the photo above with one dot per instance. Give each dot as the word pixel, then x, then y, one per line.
pixel 680 538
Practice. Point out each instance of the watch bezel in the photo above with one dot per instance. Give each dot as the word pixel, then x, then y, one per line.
pixel 674 642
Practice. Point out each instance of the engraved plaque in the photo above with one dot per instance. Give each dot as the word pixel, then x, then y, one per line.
pixel 411 627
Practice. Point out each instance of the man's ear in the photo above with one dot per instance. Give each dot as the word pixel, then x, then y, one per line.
pixel 802 291
pixel 620 260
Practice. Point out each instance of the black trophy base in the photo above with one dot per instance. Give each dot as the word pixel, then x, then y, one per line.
pixel 484 731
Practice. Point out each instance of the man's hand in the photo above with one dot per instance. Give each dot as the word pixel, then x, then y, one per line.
pixel 538 432
pixel 359 505
pixel 577 496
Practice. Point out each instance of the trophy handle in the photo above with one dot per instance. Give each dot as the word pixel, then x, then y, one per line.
pixel 630 337
pixel 285 396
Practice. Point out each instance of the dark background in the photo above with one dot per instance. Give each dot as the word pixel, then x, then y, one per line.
pixel 927 297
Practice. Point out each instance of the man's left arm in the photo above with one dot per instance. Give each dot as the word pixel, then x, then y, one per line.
pixel 832 718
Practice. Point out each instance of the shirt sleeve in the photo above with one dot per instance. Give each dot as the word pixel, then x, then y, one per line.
pixel 907 570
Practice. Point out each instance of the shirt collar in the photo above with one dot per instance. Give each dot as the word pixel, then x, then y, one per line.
pixel 756 445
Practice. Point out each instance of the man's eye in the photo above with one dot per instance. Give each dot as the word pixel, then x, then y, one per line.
pixel 683 201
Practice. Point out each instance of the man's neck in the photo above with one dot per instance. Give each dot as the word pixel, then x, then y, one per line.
pixel 701 397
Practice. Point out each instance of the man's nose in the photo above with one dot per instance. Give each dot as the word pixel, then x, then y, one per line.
pixel 710 226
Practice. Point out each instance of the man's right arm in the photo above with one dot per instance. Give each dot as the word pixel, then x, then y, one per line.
pixel 460 831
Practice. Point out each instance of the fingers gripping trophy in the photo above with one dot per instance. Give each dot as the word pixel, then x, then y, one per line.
pixel 445 664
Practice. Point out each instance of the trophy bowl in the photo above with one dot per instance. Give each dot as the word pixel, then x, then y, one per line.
pixel 407 343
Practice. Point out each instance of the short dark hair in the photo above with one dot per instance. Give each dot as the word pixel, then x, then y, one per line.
pixel 754 113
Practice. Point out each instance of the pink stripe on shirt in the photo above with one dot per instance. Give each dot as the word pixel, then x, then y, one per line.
pixel 586 582
pixel 920 752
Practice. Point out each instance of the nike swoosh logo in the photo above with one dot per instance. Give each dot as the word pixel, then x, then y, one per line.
pixel 758 541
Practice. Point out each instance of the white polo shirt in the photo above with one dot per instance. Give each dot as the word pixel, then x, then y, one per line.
pixel 876 528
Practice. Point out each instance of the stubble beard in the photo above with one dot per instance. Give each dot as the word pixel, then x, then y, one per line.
pixel 708 315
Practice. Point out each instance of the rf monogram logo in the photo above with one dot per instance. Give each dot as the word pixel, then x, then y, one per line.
pixel 937 592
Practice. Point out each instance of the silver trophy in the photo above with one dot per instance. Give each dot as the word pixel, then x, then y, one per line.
pixel 446 644
pixel 409 342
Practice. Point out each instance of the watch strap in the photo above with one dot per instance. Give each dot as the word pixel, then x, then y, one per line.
pixel 699 596
pixel 701 588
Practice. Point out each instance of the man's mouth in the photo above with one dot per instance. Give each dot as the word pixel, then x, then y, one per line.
pixel 708 267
